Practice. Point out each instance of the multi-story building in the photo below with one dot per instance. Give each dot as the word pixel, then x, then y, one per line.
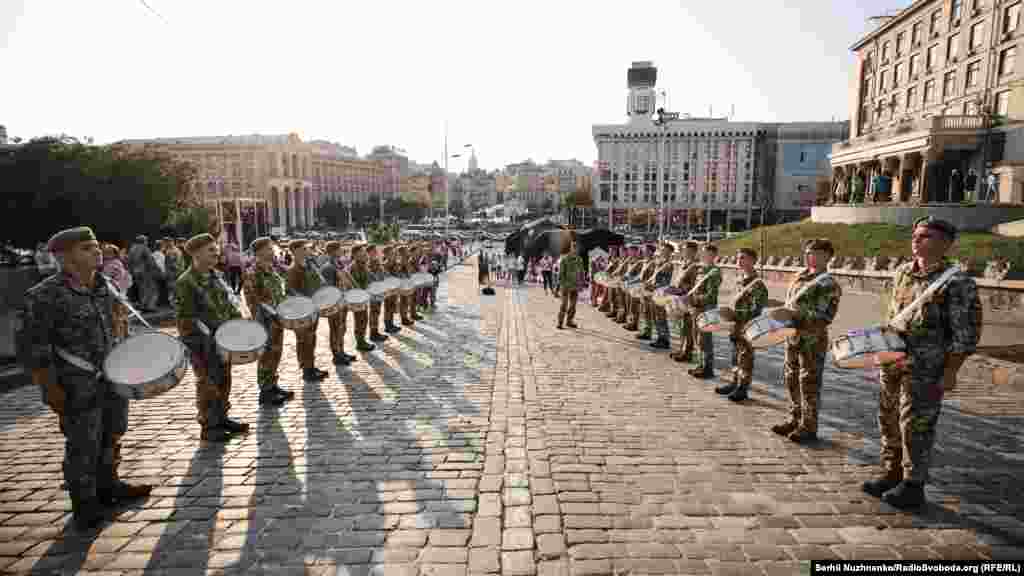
pixel 479 189
pixel 255 183
pixel 936 88
pixel 395 165
pixel 709 171
pixel 527 183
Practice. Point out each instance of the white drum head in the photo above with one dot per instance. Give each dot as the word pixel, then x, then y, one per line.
pixel 241 335
pixel 143 358
pixel 377 288
pixel 327 296
pixel 392 283
pixel 296 307
pixel 357 297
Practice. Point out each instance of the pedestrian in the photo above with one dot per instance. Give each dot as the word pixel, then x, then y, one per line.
pixel 570 269
pixel 992 189
pixel 335 274
pixel 970 185
pixel 704 297
pixel 545 272
pixel 657 317
pixel 160 274
pixel 484 271
pixel 361 277
pixel 145 273
pixel 265 287
pixel 812 302
pixel 173 264
pixel 73 320
pixel 520 269
pixel 115 270
pixel 939 335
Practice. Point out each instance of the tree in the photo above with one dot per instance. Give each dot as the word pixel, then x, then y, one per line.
pixel 60 182
pixel 382 233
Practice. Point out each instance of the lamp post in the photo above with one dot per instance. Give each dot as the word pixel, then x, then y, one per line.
pixel 662 119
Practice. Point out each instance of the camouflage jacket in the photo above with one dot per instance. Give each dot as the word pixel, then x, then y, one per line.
pixel 751 304
pixel 360 275
pixel 304 279
pixel 636 267
pixel 691 269
pixel 570 266
pixel 662 274
pixel 816 309
pixel 85 322
pixel 650 267
pixel 203 297
pixel 949 323
pixel 263 285
pixel 707 296
pixel 618 267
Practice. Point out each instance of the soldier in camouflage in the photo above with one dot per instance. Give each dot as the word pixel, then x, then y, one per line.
pixel 703 297
pixel 74 315
pixel 569 271
pixel 751 296
pixel 656 315
pixel 812 302
pixel 631 274
pixel 204 303
pixel 611 300
pixel 940 335
pixel 304 280
pixel 361 278
pixel 377 273
pixel 636 304
pixel 690 270
pixel 410 269
pixel 265 287
pixel 393 270
pixel 335 274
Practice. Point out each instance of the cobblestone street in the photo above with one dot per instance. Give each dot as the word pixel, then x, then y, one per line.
pixel 483 440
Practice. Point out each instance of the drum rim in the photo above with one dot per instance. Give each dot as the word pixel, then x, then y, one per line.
pixel 245 322
pixel 181 358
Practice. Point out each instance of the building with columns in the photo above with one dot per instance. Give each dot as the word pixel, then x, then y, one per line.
pixel 258 183
pixel 936 94
pixel 711 172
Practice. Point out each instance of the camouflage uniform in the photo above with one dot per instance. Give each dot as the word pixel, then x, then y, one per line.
pixel 304 279
pixel 705 299
pixel 611 296
pixel 636 305
pixel 262 285
pixel 60 313
pixel 747 307
pixel 402 271
pixel 654 316
pixel 393 268
pixel 633 271
pixel 410 300
pixel 206 297
pixel 805 352
pixel 377 274
pixel 361 278
pixel 911 397
pixel 569 268
pixel 336 275
pixel 687 341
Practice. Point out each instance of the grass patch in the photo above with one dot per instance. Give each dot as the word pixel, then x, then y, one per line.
pixel 865 240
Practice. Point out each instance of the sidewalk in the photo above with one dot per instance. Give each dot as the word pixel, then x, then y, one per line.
pixel 483 440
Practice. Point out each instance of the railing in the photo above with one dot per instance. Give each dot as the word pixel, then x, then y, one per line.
pixel 936 124
pixel 942 123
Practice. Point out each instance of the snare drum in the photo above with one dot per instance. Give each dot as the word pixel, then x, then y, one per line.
pixel 297 313
pixel 378 290
pixel 241 341
pixel 357 300
pixel 765 331
pixel 328 300
pixel 407 287
pixel 874 346
pixel 423 280
pixel 146 365
pixel 712 321
pixel 662 296
pixel 391 285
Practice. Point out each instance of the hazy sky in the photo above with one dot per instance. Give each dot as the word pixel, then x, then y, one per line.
pixel 522 79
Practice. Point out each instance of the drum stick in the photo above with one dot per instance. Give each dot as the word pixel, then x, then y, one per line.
pixel 268 309
pixel 124 301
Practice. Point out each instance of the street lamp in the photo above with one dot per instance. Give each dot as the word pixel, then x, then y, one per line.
pixel 662 119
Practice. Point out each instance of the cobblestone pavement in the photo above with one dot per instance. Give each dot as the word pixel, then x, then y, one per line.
pixel 483 440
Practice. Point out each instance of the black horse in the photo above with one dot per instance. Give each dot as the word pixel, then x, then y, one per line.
pixel 555 242
pixel 516 243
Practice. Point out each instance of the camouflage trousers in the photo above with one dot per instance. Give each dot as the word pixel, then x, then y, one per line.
pixel 93 419
pixel 305 346
pixel 212 394
pixel 567 310
pixel 908 412
pixel 686 336
pixel 802 373
pixel 266 370
pixel 705 346
pixel 390 308
pixel 656 319
pixel 361 319
pixel 636 308
pixel 622 308
pixel 742 358
pixel 407 306
pixel 374 318
pixel 337 325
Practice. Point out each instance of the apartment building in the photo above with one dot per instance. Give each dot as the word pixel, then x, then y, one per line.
pixel 935 89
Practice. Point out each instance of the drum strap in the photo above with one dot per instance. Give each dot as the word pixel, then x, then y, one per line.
pixel 124 301
pixel 746 289
pixel 817 280
pixel 77 362
pixel 920 300
pixel 701 282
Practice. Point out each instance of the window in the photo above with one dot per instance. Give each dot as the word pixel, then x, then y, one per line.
pixel 885 53
pixel 970 108
pixel 915 34
pixel 897 75
pixel 803 156
pixel 977 36
pixel 1007 61
pixel 953 48
pixel 911 98
pixel 956 9
pixel 936 20
pixel 881 83
pixel 949 84
pixel 1003 103
pixel 865 89
pixel 915 65
pixel 899 43
pixel 973 72
pixel 931 59
pixel 929 91
pixel 1011 18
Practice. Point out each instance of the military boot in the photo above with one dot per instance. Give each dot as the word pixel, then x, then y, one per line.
pixel 905 495
pixel 740 393
pixel 270 397
pixel 341 359
pixel 215 430
pixel 878 486
pixel 235 427
pixel 378 337
pixel 785 428
pixel 644 335
pixel 120 491
pixel 86 514
pixel 363 346
pixel 728 388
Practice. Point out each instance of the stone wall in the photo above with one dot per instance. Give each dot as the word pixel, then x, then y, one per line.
pixel 977 218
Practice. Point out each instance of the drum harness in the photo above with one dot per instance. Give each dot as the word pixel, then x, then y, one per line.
pixel 898 321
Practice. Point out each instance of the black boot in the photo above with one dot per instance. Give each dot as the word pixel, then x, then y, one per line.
pixel 643 336
pixel 215 429
pixel 740 393
pixel 286 394
pixel 729 388
pixel 378 337
pixel 661 344
pixel 236 427
pixel 270 397
pixel 905 495
pixel 87 515
pixel 390 328
pixel 349 357
pixel 120 491
pixel 571 324
pixel 878 486
pixel 341 359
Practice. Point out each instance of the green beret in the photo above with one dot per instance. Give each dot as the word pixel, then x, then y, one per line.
pixel 66 239
pixel 297 244
pixel 934 223
pixel 260 243
pixel 333 245
pixel 198 242
pixel 823 244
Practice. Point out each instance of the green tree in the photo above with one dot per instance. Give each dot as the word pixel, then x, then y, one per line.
pixel 59 182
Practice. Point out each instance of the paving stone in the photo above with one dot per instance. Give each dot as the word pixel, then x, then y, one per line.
pixel 550 546
pixel 484 560
pixel 517 539
pixel 518 563
pixel 486 533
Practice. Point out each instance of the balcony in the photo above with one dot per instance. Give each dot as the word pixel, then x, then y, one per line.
pixel 900 135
